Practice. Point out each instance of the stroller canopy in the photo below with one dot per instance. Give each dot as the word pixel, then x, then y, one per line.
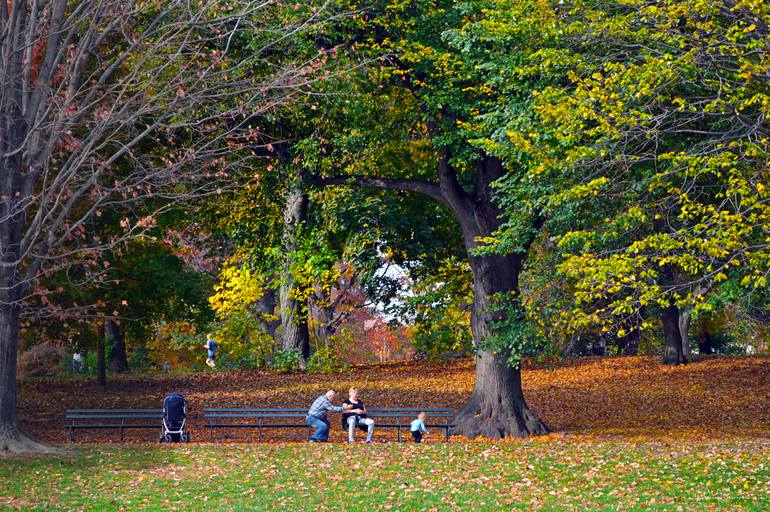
pixel 174 407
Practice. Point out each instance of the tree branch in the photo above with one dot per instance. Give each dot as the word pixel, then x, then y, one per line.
pixel 425 187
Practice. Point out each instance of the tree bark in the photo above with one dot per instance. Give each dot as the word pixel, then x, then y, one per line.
pixel 325 321
pixel 704 339
pixel 294 315
pixel 9 334
pixel 266 306
pixel 11 438
pixel 673 354
pixel 118 358
pixel 101 368
pixel 684 331
pixel 497 407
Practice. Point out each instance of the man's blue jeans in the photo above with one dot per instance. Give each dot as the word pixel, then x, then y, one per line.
pixel 321 428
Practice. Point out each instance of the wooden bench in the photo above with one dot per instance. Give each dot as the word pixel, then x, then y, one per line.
pixel 120 419
pixel 263 418
pixel 401 418
pixel 259 418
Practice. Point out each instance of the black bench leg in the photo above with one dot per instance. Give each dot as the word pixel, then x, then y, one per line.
pixel 399 433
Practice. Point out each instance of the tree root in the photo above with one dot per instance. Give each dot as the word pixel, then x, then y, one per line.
pixel 496 423
pixel 15 442
pixel 674 359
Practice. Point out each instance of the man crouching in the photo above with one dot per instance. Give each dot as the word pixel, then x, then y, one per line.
pixel 316 416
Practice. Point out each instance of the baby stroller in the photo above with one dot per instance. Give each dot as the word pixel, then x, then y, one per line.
pixel 174 419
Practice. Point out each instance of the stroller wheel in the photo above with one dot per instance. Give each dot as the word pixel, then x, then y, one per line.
pixel 167 438
pixel 184 437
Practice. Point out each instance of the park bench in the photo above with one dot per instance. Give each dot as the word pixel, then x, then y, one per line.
pixel 120 419
pixel 259 418
pixel 401 417
pixel 265 418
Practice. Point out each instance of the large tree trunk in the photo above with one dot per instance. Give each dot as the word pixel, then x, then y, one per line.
pixel 118 358
pixel 11 438
pixel 9 333
pixel 673 339
pixel 497 407
pixel 294 316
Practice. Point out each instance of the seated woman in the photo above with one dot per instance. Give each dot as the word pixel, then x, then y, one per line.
pixel 354 415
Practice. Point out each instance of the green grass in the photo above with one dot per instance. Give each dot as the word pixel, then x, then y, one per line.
pixel 550 474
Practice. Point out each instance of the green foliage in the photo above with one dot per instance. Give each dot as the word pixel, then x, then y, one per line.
pixel 512 334
pixel 646 165
pixel 439 310
pixel 242 337
pixel 668 156
pixel 286 361
pixel 326 360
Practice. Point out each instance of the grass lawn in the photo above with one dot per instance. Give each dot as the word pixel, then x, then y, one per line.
pixel 631 434
pixel 553 473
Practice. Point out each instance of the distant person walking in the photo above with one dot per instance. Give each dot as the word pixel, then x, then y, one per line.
pixel 417 428
pixel 317 416
pixel 211 347
pixel 77 362
pixel 354 415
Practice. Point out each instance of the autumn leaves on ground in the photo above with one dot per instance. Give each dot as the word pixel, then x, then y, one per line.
pixel 716 397
pixel 629 434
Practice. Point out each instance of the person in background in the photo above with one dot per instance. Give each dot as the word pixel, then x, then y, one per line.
pixel 417 428
pixel 211 347
pixel 77 362
pixel 354 415
pixel 317 416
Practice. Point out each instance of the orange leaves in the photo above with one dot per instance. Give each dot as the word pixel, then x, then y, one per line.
pixel 636 398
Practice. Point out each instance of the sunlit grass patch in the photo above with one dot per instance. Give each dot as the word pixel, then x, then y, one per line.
pixel 550 474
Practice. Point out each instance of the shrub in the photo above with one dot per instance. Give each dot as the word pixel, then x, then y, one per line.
pixel 177 342
pixel 44 359
pixel 325 360
pixel 242 337
pixel 285 361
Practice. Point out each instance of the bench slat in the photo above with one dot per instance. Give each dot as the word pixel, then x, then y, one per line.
pixel 256 425
pixel 431 414
pixel 409 409
pixel 113 417
pixel 255 415
pixel 113 411
pixel 255 409
pixel 70 427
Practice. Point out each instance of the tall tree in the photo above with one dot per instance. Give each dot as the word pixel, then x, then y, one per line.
pixel 663 121
pixel 428 92
pixel 83 86
pixel 295 335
